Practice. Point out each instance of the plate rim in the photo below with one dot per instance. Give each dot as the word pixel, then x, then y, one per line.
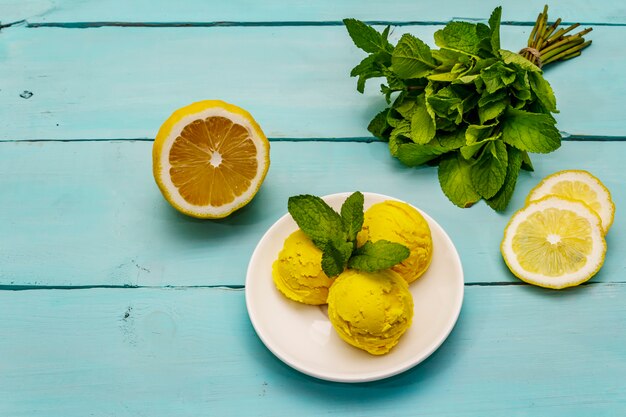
pixel 366 376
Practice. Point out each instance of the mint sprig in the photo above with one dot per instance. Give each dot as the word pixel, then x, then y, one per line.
pixel 474 110
pixel 335 235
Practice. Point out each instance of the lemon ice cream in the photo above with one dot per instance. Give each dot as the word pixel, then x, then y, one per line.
pixel 401 223
pixel 370 310
pixel 297 272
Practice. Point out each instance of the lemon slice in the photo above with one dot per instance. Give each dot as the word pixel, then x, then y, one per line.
pixel 578 185
pixel 554 242
pixel 210 158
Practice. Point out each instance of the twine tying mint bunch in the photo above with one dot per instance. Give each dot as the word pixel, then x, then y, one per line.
pixel 546 44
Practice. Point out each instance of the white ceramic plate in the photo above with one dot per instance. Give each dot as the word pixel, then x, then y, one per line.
pixel 302 336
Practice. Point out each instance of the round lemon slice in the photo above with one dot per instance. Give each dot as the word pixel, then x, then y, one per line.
pixel 578 185
pixel 210 158
pixel 554 242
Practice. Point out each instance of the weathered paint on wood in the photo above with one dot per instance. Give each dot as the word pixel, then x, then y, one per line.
pixel 118 83
pixel 89 213
pixel 516 351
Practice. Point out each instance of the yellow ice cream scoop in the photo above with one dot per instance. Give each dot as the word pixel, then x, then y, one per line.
pixel 370 310
pixel 401 223
pixel 297 272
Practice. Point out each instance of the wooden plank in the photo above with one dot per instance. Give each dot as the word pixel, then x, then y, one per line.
pixel 39 11
pixel 515 351
pixel 117 83
pixel 89 213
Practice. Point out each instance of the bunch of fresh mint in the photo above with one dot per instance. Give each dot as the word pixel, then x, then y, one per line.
pixel 471 108
pixel 335 235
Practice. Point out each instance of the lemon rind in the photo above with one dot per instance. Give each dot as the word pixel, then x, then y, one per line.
pixel 172 127
pixel 565 281
pixel 543 189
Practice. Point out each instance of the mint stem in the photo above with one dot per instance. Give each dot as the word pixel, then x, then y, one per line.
pixel 548 45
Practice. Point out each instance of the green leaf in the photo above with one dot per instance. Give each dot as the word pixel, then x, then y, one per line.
pixel 405 106
pixel 488 98
pixel 492 110
pixel 489 172
pixel 411 58
pixel 532 132
pixel 501 199
pixel 367 68
pixel 479 133
pixel 352 215
pixel 403 128
pixel 527 164
pixel 468 152
pixel 444 76
pixel 412 154
pixel 366 37
pixel 494 26
pixel 492 77
pixel 452 140
pixel 454 178
pixel 497 76
pixel 459 36
pixel 375 256
pixel 335 255
pixel 379 125
pixel 422 123
pixel 518 60
pixel 446 103
pixel 543 90
pixel 316 218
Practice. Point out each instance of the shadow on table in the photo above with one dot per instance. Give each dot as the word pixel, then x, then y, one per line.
pixel 334 395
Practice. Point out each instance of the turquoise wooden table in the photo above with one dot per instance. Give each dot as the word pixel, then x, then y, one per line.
pixel 114 304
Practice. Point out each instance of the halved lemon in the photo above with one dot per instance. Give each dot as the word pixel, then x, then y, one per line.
pixel 578 185
pixel 554 242
pixel 210 158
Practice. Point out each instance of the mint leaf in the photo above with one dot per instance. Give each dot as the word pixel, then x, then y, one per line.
pixel 379 125
pixel 335 255
pixel 452 140
pixel 316 218
pixel 375 256
pixel 527 164
pixel 543 91
pixel 405 106
pixel 422 123
pixel 455 181
pixel 479 133
pixel 492 110
pixel 518 60
pixel 497 76
pixel 401 131
pixel 468 152
pixel 501 199
pixel 366 37
pixel 459 36
pixel 489 172
pixel 352 215
pixel 532 132
pixel 487 98
pixel 494 26
pixel 411 58
pixel 365 70
pixel 412 154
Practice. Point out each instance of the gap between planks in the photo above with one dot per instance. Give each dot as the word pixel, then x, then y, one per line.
pixel 566 138
pixel 293 23
pixel 239 287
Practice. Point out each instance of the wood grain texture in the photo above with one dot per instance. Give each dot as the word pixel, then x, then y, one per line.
pixel 89 213
pixel 118 83
pixel 46 11
pixel 515 351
